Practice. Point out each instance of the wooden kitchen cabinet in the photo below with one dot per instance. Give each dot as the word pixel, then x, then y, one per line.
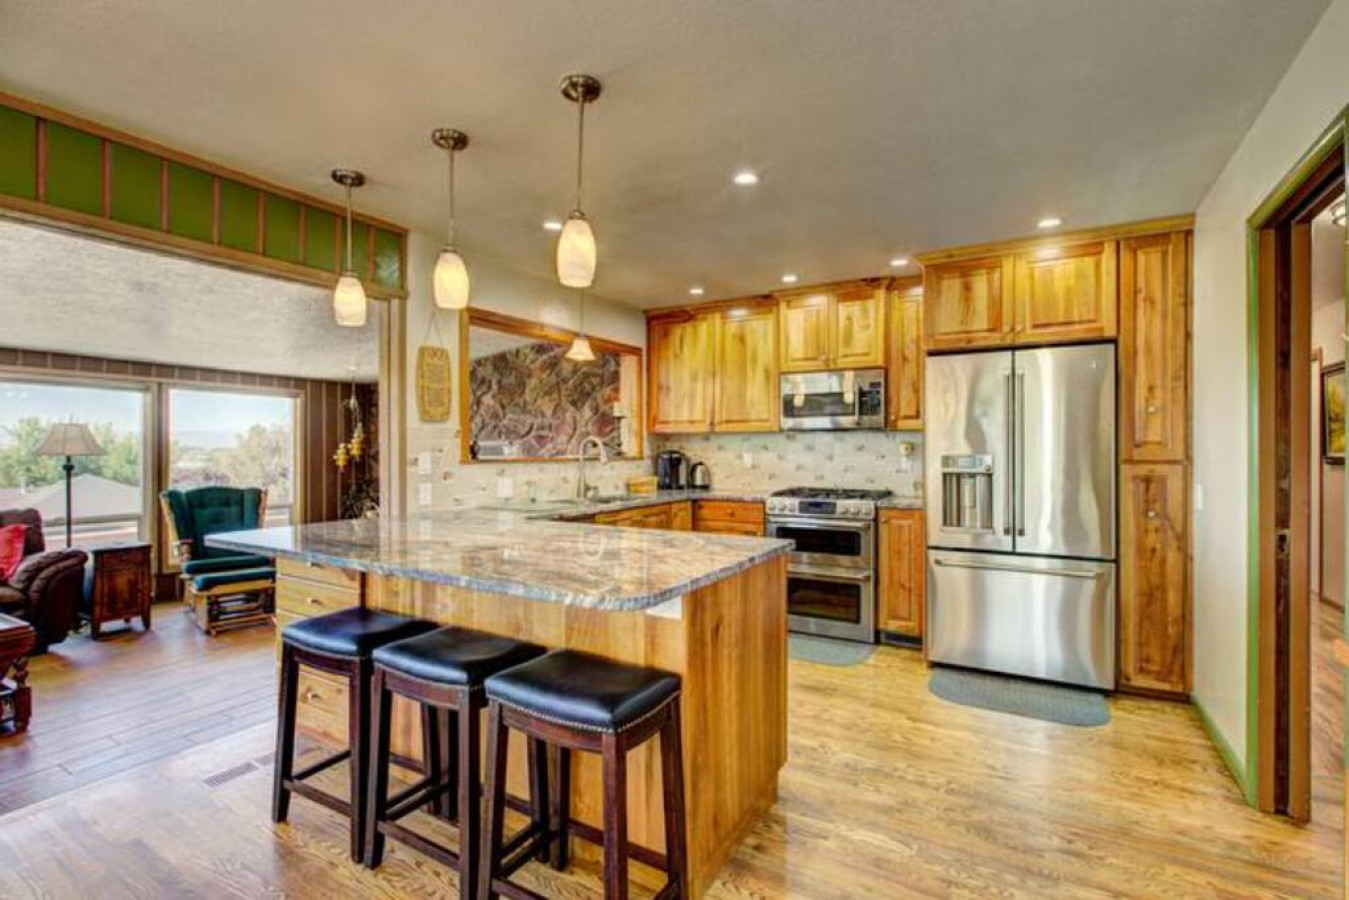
pixel 1154 608
pixel 903 552
pixel 832 327
pixel 728 517
pixel 1065 293
pixel 746 370
pixel 1154 347
pixel 968 303
pixel 681 516
pixel 680 373
pixel 904 376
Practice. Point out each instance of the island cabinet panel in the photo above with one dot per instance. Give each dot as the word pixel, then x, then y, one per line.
pixel 681 516
pixel 728 517
pixel 1154 348
pixel 804 340
pixel 746 370
pixel 968 303
pixel 680 377
pixel 1066 293
pixel 903 550
pixel 1154 615
pixel 904 378
pixel 734 702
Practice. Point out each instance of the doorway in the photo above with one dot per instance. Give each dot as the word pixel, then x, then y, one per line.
pixel 1297 439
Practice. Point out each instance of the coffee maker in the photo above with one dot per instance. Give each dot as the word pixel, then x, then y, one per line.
pixel 671 470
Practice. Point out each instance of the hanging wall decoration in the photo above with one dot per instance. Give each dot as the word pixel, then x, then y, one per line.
pixel 433 383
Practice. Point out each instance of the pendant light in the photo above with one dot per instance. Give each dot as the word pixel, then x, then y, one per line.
pixel 349 297
pixel 450 281
pixel 576 244
pixel 580 351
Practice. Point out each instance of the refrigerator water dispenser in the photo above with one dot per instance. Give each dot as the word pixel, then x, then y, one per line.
pixel 967 492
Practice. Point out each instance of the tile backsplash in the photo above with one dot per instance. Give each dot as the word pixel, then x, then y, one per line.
pixel 766 462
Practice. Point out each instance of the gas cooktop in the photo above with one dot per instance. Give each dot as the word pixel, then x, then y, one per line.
pixel 825 503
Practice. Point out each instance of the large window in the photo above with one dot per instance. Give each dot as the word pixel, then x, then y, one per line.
pixel 108 493
pixel 235 439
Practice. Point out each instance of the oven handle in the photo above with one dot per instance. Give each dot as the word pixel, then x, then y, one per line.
pixel 817 525
pixel 829 574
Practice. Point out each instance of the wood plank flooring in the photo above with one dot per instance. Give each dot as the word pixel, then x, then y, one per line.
pixel 888 792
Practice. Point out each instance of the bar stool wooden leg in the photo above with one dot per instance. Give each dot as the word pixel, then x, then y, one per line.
pixel 672 785
pixel 561 808
pixel 538 793
pixel 284 764
pixel 615 765
pixel 498 739
pixel 433 756
pixel 381 715
pixel 449 760
pixel 358 727
pixel 466 765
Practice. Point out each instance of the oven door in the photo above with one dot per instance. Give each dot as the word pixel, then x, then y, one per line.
pixel 837 603
pixel 834 544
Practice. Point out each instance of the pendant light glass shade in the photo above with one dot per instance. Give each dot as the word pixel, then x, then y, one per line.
pixel 576 257
pixel 451 280
pixel 349 301
pixel 580 351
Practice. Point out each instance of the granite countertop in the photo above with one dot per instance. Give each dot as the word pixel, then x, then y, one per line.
pixel 522 555
pixel 637 501
pixel 898 502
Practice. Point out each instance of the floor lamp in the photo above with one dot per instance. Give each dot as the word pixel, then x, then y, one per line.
pixel 69 439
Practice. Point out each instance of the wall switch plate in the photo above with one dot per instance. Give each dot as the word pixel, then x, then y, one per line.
pixel 424 463
pixel 424 494
pixel 505 488
pixel 747 459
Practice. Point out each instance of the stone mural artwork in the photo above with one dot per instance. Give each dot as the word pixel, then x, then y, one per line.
pixel 530 402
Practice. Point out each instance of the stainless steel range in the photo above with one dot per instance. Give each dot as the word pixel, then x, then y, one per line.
pixel 831 574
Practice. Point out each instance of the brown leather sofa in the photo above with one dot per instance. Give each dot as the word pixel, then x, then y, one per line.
pixel 46 588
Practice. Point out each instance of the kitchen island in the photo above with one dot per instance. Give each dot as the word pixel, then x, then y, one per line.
pixel 710 607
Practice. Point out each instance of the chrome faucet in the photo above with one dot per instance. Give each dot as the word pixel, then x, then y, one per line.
pixel 584 490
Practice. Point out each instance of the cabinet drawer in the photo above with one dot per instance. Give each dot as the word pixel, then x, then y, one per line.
pixel 311 598
pixel 746 528
pixel 330 575
pixel 728 511
pixel 321 707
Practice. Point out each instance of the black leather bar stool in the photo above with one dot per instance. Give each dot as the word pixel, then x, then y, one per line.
pixel 339 643
pixel 577 701
pixel 444 671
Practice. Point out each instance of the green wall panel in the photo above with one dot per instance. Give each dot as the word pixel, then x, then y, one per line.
pixel 360 248
pixel 74 169
pixel 135 186
pixel 281 228
pixel 320 235
pixel 18 154
pixel 388 259
pixel 238 216
pixel 191 202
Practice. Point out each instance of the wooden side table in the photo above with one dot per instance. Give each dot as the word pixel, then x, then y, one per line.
pixel 119 584
pixel 16 698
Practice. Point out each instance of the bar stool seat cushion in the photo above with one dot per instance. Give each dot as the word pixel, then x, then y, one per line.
pixel 455 656
pixel 584 691
pixel 352 632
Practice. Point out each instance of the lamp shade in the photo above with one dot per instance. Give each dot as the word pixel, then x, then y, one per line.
pixel 349 301
pixel 576 252
pixel 451 280
pixel 580 351
pixel 69 439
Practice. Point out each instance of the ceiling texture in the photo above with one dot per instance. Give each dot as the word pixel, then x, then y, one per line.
pixel 878 127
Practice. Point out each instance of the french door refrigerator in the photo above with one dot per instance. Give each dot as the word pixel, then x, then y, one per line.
pixel 1020 475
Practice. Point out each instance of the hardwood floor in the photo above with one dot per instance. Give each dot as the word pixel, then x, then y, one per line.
pixel 1327 713
pixel 888 792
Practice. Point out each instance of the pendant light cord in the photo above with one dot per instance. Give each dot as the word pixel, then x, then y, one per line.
pixel 580 149
pixel 349 269
pixel 450 229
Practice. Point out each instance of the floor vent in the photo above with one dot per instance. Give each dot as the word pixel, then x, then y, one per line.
pixel 225 777
pixel 266 760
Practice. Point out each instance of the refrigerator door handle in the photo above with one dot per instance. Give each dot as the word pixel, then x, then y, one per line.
pixel 1009 496
pixel 1024 570
pixel 1019 452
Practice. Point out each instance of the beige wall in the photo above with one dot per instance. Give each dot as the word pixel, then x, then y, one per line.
pixel 1327 569
pixel 503 290
pixel 1311 93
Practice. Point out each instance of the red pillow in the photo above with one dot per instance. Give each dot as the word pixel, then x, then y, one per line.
pixel 11 548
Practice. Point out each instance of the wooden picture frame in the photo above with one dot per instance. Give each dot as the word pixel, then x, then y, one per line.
pixel 1332 414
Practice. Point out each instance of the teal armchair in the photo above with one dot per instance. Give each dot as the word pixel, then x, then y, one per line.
pixel 224 589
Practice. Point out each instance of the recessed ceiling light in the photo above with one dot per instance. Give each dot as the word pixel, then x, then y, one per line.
pixel 552 225
pixel 789 278
pixel 746 178
pixel 696 291
pixel 899 261
pixel 1049 222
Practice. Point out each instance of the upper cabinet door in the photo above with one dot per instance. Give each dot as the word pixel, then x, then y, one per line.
pixel 804 339
pixel 858 328
pixel 747 370
pixel 904 380
pixel 1066 294
pixel 681 373
pixel 1154 347
pixel 968 303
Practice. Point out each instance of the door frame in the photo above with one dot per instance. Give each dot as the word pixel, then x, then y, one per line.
pixel 1278 761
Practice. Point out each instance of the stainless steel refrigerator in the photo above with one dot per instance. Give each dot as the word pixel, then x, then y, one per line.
pixel 1020 474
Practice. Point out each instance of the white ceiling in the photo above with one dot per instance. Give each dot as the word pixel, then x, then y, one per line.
pixel 61 292
pixel 879 126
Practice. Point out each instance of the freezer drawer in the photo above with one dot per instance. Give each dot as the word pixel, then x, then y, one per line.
pixel 1033 616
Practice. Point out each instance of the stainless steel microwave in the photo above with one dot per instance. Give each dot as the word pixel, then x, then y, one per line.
pixel 833 401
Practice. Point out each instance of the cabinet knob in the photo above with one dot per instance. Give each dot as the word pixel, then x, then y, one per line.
pixel 313 601
pixel 1152 514
pixel 1152 409
pixel 311 695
